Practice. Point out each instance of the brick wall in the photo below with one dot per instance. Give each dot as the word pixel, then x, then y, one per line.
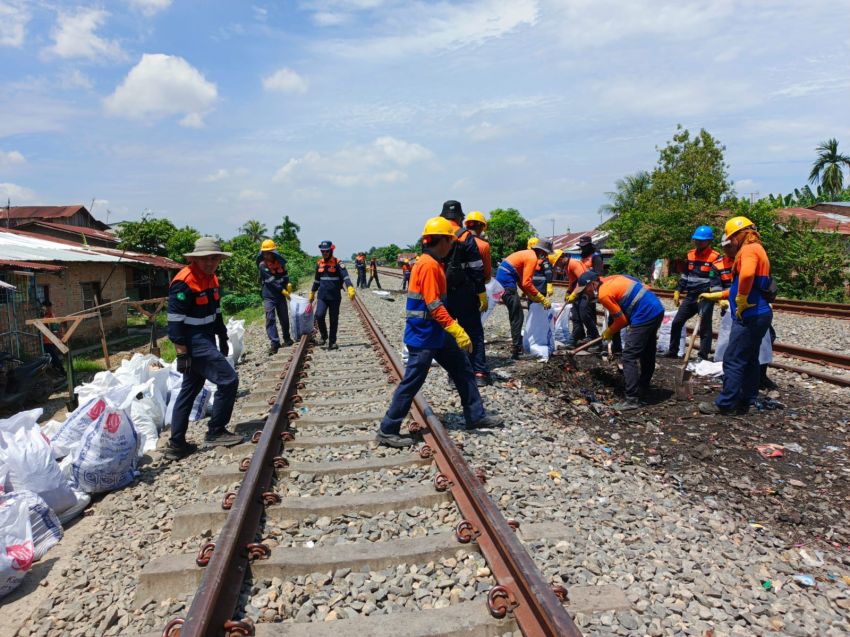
pixel 66 293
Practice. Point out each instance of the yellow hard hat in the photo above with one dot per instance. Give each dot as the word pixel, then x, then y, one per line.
pixel 437 226
pixel 737 223
pixel 532 242
pixel 557 254
pixel 476 215
pixel 268 244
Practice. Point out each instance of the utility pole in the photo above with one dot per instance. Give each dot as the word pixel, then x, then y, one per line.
pixel 553 227
pixel 753 197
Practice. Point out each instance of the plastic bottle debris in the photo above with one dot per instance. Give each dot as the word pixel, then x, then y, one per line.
pixel 804 580
pixel 792 446
pixel 767 584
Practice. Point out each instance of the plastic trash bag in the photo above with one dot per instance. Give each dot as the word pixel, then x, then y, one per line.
pixel 765 350
pixel 538 333
pixel 16 547
pixel 26 453
pixel 300 316
pixel 106 459
pixel 495 290
pixel 146 415
pixel 562 326
pixel 236 336
pixel 99 385
pixel 44 523
pixel 202 401
pixel 663 343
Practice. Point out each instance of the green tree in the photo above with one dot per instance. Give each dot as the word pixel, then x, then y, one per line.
pixel 507 232
pixel 688 188
pixel 627 192
pixel 254 230
pixel 288 230
pixel 180 242
pixel 828 167
pixel 150 235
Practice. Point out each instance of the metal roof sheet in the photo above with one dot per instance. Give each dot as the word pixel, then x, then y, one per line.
pixel 823 221
pixel 62 227
pixel 569 242
pixel 17 247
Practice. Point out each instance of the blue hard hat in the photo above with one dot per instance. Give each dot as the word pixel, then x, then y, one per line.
pixel 326 245
pixel 703 233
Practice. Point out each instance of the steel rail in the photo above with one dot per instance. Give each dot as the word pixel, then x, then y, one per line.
pixel 835 380
pixel 532 602
pixel 215 601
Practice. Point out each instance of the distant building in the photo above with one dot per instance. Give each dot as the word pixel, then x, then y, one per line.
pixel 76 215
pixel 410 256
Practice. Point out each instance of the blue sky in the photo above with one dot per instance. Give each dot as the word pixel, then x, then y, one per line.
pixel 358 118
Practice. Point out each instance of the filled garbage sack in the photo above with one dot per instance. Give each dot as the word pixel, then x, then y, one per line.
pixel 146 415
pixel 30 464
pixel 300 316
pixel 765 350
pixel 663 344
pixel 495 290
pixel 44 523
pixel 236 336
pixel 561 323
pixel 538 334
pixel 16 548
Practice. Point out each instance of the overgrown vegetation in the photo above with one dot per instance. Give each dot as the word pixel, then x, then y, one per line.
pixel 654 213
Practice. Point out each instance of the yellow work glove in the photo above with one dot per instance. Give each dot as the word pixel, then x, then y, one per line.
pixel 483 303
pixel 741 305
pixel 546 303
pixel 711 296
pixel 676 299
pixel 312 296
pixel 350 291
pixel 285 294
pixel 570 298
pixel 724 304
pixel 460 335
pixel 289 287
pixel 550 289
pixel 606 334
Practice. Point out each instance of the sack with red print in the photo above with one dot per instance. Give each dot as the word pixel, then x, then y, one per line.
pixel 16 547
pixel 106 458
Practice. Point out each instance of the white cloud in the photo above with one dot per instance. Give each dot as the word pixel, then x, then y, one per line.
pixel 678 98
pixel 330 18
pixel 485 131
pixel 74 37
pixel 286 81
pixel 13 22
pixel 16 194
pixel 11 158
pixel 249 194
pixel 742 184
pixel 218 175
pixel 75 79
pixel 160 86
pixel 380 162
pixel 150 7
pixel 418 28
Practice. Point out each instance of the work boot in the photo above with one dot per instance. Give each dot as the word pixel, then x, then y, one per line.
pixel 273 347
pixel 287 342
pixel 488 422
pixel 481 379
pixel 516 352
pixel 394 440
pixel 179 451
pixel 321 341
pixel 711 409
pixel 223 438
pixel 629 403
pixel 332 346
pixel 669 354
pixel 767 384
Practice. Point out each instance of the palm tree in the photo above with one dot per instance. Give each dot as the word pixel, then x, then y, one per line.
pixel 288 230
pixel 827 168
pixel 628 190
pixel 255 230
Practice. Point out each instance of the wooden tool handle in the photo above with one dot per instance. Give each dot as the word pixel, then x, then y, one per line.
pixel 581 348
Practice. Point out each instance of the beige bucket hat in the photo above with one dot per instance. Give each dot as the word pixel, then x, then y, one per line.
pixel 207 246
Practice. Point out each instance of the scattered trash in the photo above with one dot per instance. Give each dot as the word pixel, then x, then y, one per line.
pixel 757 527
pixel 792 446
pixel 767 584
pixel 815 560
pixel 766 404
pixel 832 448
pixel 804 580
pixel 770 450
pixel 555 475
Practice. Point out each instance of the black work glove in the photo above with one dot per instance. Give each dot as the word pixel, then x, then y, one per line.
pixel 223 346
pixel 184 363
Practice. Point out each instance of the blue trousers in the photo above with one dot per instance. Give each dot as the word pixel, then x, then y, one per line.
pixel 207 364
pixel 405 279
pixel 741 370
pixel 278 307
pixel 324 306
pixel 455 362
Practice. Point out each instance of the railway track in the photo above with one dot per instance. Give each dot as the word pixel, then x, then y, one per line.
pixel 462 567
pixel 824 358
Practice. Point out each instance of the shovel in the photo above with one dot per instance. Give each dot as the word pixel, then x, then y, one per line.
pixel 684 388
pixel 571 353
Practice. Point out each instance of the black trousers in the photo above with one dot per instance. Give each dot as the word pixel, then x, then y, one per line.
pixel 324 307
pixel 583 317
pixel 639 356
pixel 514 304
pixel 690 305
pixel 375 277
pixel 56 358
pixel 361 278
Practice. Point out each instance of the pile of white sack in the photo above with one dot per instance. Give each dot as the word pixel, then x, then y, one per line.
pixel 47 475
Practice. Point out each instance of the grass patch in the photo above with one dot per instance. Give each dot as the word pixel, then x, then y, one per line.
pixel 137 320
pixel 251 314
pixel 87 365
pixel 167 351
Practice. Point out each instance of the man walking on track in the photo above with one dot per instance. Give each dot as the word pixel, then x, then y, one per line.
pixel 276 287
pixel 331 276
pixel 373 274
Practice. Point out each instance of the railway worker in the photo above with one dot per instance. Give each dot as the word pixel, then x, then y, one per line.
pixel 194 322
pixel 516 271
pixel 405 273
pixel 749 299
pixel 467 296
pixel 373 274
pixel 583 310
pixel 476 223
pixel 431 333
pixel 360 266
pixel 700 277
pixel 629 302
pixel 331 277
pixel 543 274
pixel 275 290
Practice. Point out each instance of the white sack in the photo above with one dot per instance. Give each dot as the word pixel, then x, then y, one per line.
pixel 765 351
pixel 562 327
pixel 99 385
pixel 236 336
pixel 538 332
pixel 300 316
pixel 16 548
pixel 202 400
pixel 146 415
pixel 26 453
pixel 494 295
pixel 106 459
pixel 663 344
pixel 44 523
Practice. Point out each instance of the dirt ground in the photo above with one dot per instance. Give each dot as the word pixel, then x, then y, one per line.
pixel 802 497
